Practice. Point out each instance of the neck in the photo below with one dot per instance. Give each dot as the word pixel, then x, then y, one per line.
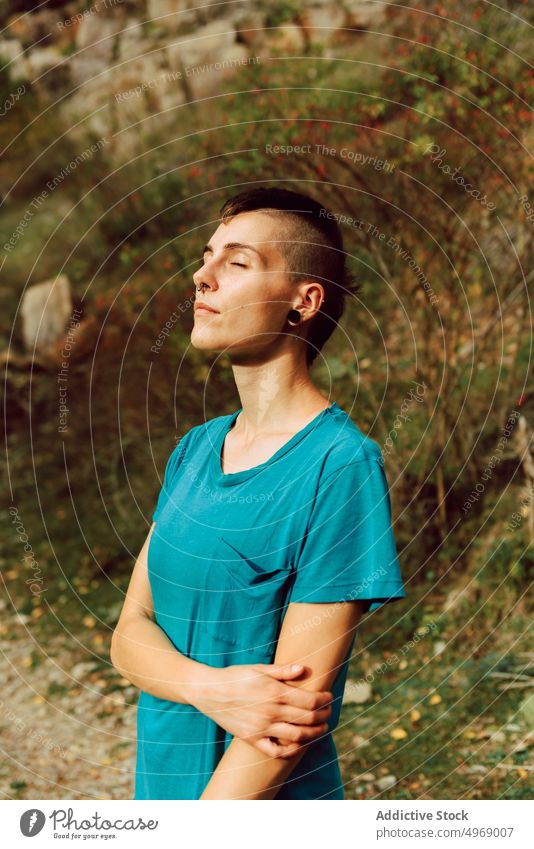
pixel 277 396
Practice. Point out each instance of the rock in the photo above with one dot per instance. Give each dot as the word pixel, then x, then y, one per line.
pixel 22 618
pixel 363 14
pixel 367 776
pixel 172 15
pixel 96 37
pixel 250 29
pixel 114 102
pixel 386 782
pixel 202 64
pixel 81 670
pixel 439 647
pixel 46 308
pixel 34 27
pixel 203 80
pixel 98 32
pixel 321 23
pixel 498 737
pixel 136 80
pixel 284 37
pixel 12 52
pixel 204 47
pixel 357 692
pixel 131 40
pixel 19 27
pixel 76 108
pixel 49 69
pixel 56 676
pixel 177 16
pixel 85 68
pixel 139 88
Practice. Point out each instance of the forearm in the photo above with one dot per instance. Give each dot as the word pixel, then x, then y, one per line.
pixel 246 773
pixel 144 655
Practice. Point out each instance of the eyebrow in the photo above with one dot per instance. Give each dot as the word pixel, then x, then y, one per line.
pixel 238 245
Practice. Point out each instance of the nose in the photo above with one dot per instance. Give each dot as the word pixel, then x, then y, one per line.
pixel 203 276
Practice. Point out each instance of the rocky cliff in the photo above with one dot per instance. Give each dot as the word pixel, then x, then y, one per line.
pixel 114 66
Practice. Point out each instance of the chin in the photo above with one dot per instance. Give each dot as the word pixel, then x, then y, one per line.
pixel 204 340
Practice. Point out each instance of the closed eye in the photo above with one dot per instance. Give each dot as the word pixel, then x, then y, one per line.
pixel 240 264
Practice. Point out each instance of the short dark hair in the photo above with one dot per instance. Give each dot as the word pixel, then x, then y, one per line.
pixel 312 246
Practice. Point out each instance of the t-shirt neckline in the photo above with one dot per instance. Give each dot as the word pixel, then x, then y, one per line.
pixel 223 479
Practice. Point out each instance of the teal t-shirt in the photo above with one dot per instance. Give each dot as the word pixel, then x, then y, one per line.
pixel 229 552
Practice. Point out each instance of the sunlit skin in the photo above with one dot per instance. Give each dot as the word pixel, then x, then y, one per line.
pixel 253 292
pixel 244 276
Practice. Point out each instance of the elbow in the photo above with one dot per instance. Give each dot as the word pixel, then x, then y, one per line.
pixel 114 651
pixel 115 657
pixel 120 651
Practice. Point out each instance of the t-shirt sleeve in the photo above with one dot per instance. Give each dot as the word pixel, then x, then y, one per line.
pixel 171 468
pixel 348 551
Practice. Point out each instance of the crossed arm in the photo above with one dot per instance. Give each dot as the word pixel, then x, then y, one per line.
pixel 142 652
pixel 246 773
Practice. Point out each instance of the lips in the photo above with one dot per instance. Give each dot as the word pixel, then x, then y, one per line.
pixel 201 307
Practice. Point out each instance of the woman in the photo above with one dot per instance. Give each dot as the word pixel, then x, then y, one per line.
pixel 271 535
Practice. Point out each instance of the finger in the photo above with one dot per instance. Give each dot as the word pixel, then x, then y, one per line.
pixel 297 733
pixel 287 744
pixel 297 716
pixel 281 671
pixel 275 750
pixel 290 751
pixel 306 699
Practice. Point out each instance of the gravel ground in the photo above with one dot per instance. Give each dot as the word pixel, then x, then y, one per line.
pixel 67 722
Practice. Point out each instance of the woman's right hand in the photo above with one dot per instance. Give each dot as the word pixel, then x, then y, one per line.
pixel 253 702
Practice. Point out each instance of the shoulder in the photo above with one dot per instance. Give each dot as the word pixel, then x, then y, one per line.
pixel 347 447
pixel 183 441
pixel 206 428
pixel 198 433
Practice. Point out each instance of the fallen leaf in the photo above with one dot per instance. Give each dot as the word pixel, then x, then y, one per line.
pixel 398 733
pixel 435 699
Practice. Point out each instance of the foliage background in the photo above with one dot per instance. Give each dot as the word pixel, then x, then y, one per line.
pixel 451 77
